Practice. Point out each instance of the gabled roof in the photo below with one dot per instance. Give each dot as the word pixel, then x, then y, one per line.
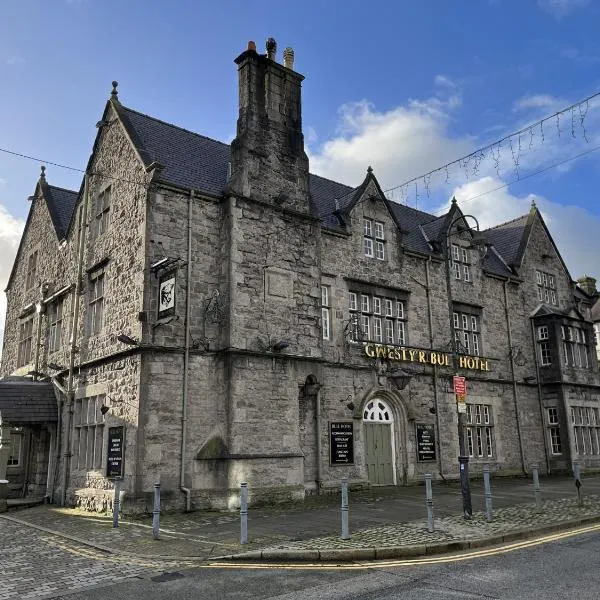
pixel 23 401
pixel 61 205
pixel 508 238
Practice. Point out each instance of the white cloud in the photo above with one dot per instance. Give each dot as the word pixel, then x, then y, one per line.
pixel 11 229
pixel 399 143
pixel 539 101
pixel 574 229
pixel 561 8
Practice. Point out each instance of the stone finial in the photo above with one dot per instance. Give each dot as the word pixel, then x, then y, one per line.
pixel 251 46
pixel 369 169
pixel 288 58
pixel 115 94
pixel 453 199
pixel 43 172
pixel 271 47
pixel 533 204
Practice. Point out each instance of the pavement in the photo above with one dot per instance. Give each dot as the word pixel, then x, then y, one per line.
pixel 47 548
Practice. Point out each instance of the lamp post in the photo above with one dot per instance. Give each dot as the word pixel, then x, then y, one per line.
pixel 463 455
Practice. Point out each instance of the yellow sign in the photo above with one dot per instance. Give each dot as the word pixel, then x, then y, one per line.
pixel 429 357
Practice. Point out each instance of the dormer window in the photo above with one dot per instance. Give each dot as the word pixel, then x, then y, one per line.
pixel 546 288
pixel 460 263
pixel 373 239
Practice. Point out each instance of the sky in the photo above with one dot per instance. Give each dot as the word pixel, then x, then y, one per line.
pixel 403 86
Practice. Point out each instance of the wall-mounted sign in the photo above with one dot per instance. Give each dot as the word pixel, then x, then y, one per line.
pixel 341 443
pixel 460 385
pixel 430 357
pixel 114 455
pixel 166 295
pixel 425 442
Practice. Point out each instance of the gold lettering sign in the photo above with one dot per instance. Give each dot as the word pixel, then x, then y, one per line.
pixel 424 356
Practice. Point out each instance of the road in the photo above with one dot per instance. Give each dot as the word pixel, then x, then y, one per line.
pixel 568 567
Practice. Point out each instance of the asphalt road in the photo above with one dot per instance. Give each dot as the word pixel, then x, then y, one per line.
pixel 562 569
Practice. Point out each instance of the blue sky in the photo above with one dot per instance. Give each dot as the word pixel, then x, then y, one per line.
pixel 404 86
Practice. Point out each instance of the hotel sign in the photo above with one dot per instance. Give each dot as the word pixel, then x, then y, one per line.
pixel 428 357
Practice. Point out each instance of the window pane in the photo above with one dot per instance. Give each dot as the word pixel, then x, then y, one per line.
pixel 400 309
pixel 352 302
pixel 389 308
pixel 364 303
pixel 368 245
pixel 367 223
pixel 377 305
pixel 379 230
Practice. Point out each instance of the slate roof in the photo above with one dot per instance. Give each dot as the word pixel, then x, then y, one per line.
pixel 27 402
pixel 507 238
pixel 193 161
pixel 61 205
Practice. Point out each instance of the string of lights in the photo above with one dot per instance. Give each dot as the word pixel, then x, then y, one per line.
pixel 514 144
pixel 470 164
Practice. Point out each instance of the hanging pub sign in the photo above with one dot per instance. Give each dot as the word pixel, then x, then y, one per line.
pixel 114 455
pixel 425 442
pixel 166 295
pixel 341 442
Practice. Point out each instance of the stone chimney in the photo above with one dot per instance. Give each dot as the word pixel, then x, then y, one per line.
pixel 588 285
pixel 268 162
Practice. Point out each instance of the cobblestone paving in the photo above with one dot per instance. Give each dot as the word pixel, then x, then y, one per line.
pixel 455 528
pixel 36 565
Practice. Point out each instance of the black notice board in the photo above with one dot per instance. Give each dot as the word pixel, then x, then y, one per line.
pixel 425 442
pixel 341 442
pixel 114 455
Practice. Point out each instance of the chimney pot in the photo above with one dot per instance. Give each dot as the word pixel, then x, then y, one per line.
pixel 288 58
pixel 271 46
pixel 251 46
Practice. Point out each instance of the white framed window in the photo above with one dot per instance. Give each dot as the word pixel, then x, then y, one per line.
pixel 325 312
pixel 32 266
pixel 373 239
pixel 96 302
pixel 15 440
pixel 55 324
pixel 546 289
pixel 381 318
pixel 586 432
pixel 88 425
pixel 461 267
pixel 480 434
pixel 102 211
pixel 466 333
pixel 25 341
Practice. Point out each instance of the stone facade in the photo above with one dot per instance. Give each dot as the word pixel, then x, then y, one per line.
pixel 216 341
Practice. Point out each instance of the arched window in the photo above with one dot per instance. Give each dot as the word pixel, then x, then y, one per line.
pixel 377 410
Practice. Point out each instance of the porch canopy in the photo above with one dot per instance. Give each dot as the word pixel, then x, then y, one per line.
pixel 27 402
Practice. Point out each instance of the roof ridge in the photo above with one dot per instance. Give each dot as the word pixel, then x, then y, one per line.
pixel 422 212
pixel 62 189
pixel 507 222
pixel 141 114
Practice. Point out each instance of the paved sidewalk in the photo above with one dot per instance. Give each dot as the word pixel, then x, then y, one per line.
pixel 392 520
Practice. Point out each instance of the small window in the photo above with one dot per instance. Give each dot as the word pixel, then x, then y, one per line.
pixel 325 312
pixel 55 325
pixel 96 303
pixel 32 265
pixel 352 301
pixel 364 303
pixel 102 211
pixel 545 287
pixel 379 230
pixel 25 342
pixel 389 308
pixel 376 305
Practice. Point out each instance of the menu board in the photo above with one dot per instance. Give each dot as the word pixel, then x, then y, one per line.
pixel 114 456
pixel 425 442
pixel 341 443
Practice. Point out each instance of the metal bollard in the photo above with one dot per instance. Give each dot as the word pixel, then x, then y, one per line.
pixel 243 513
pixel 116 501
pixel 345 527
pixel 577 475
pixel 487 488
pixel 156 512
pixel 429 502
pixel 536 488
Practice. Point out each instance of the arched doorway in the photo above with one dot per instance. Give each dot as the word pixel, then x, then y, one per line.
pixel 378 430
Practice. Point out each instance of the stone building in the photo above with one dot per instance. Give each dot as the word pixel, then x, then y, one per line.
pixel 211 314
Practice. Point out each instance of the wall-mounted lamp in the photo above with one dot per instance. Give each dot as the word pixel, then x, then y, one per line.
pixel 348 402
pixel 280 345
pixel 105 407
pixel 125 339
pixel 400 378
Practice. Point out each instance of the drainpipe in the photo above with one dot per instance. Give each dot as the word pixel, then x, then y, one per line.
pixel 318 438
pixel 186 357
pixel 39 307
pixel 539 389
pixel 70 393
pixel 435 373
pixel 512 374
pixel 58 438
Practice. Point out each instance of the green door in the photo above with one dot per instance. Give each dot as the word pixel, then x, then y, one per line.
pixel 378 453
